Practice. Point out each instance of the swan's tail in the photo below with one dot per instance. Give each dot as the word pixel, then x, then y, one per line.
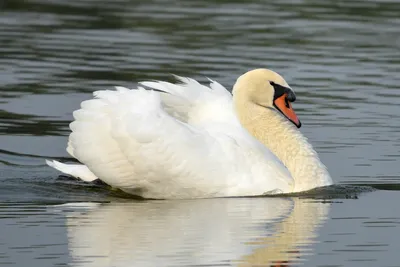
pixel 77 170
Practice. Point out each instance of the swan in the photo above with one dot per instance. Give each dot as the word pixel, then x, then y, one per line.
pixel 187 140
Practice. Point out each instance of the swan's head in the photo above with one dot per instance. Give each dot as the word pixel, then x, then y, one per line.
pixel 268 89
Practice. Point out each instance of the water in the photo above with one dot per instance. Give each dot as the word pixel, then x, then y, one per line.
pixel 342 59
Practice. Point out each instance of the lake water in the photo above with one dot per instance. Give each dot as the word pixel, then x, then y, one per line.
pixel 341 57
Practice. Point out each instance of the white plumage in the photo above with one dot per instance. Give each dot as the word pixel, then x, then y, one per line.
pixel 181 141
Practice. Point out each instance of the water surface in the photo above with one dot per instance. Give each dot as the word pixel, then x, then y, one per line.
pixel 341 58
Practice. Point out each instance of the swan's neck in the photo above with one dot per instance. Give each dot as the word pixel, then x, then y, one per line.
pixel 286 142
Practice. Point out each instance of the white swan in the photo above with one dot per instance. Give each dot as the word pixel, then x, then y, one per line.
pixel 192 141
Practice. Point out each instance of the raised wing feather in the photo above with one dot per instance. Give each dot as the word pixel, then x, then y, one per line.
pixel 204 105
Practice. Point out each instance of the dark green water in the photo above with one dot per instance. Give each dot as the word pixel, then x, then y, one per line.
pixel 341 57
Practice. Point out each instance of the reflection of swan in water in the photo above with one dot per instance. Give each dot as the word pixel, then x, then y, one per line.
pixel 240 232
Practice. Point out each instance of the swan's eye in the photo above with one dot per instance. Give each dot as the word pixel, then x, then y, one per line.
pixel 272 83
pixel 287 102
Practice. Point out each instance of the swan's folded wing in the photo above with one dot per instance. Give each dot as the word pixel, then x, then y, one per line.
pixel 127 140
pixel 183 140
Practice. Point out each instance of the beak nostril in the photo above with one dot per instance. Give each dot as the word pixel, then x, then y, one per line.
pixel 287 102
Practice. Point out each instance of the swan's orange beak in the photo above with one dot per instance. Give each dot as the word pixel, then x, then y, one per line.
pixel 285 107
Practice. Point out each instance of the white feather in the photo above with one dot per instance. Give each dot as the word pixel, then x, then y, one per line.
pixel 76 170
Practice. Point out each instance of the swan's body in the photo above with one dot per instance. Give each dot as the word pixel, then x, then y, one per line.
pixel 193 141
